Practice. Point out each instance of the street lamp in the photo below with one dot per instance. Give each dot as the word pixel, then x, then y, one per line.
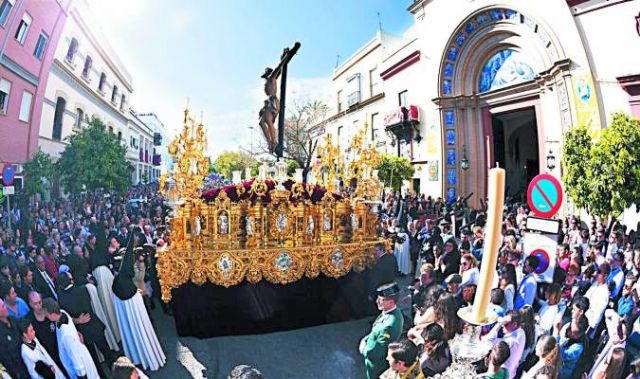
pixel 464 162
pixel 551 160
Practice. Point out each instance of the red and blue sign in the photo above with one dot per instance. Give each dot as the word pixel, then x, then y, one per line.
pixel 544 195
pixel 7 175
pixel 543 258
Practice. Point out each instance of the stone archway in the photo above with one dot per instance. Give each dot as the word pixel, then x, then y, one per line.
pixel 497 60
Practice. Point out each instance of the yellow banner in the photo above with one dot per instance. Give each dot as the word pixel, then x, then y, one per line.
pixel 586 103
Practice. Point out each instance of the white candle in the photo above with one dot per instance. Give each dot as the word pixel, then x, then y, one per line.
pixel 236 176
pixel 247 173
pixel 298 175
pixel 493 237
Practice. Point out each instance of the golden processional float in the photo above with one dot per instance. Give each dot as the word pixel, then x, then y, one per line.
pixel 270 226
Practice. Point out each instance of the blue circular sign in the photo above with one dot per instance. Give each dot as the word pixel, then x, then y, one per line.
pixel 7 175
pixel 543 258
pixel 544 195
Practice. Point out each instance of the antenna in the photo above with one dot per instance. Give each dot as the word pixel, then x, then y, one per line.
pixel 337 60
pixel 379 22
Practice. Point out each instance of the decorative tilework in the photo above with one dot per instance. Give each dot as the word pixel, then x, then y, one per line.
pixel 451 194
pixel 453 54
pixel 511 13
pixel 448 70
pixel 446 87
pixel 451 137
pixel 452 176
pixel 470 28
pixel 482 19
pixel 460 39
pixel 451 156
pixel 449 119
pixel 496 14
pixel 505 68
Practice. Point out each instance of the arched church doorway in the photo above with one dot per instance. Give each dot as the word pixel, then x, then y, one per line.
pixel 498 69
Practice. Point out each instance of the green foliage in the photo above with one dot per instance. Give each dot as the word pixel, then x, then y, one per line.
pixel 39 172
pixel 394 170
pixel 230 161
pixel 95 158
pixel 292 166
pixel 603 176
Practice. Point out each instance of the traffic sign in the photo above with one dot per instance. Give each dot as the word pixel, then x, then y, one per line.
pixel 542 246
pixel 544 195
pixel 7 174
pixel 8 190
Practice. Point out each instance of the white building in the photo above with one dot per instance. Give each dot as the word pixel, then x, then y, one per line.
pixel 499 82
pixel 161 159
pixel 87 79
pixel 140 150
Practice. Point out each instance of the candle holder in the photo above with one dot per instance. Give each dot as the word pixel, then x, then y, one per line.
pixel 468 348
pixel 236 176
pixel 247 173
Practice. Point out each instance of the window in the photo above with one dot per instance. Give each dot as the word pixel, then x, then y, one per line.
pixel 23 28
pixel 374 127
pixel 110 129
pixel 5 9
pixel 41 45
pixel 25 106
pixel 114 94
pixel 339 134
pixel 402 98
pixel 122 101
pixel 79 118
pixel 374 84
pixel 61 104
pixel 88 62
pixel 5 90
pixel 103 79
pixel 339 97
pixel 73 49
pixel 119 136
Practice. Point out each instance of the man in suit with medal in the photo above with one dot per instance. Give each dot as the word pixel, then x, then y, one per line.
pixel 386 329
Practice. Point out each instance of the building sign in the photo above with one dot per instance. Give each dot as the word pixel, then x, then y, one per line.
pixel 586 103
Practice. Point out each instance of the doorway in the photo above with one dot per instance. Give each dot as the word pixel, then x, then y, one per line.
pixel 515 148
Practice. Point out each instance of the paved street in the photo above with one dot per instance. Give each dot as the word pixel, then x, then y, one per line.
pixel 328 351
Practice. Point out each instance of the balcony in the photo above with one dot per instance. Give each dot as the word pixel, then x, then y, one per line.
pixel 157 159
pixel 353 98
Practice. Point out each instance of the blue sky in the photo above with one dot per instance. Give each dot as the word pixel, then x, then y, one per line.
pixel 215 51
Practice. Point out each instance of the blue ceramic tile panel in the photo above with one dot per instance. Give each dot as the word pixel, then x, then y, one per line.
pixel 446 87
pixel 448 118
pixel 451 156
pixel 470 28
pixel 511 13
pixel 453 54
pixel 482 19
pixel 451 194
pixel 496 14
pixel 503 69
pixel 448 70
pixel 451 137
pixel 460 39
pixel 452 176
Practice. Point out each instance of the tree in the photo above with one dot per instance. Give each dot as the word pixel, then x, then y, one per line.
pixel 39 172
pixel 94 158
pixel 230 161
pixel 394 170
pixel 603 175
pixel 298 144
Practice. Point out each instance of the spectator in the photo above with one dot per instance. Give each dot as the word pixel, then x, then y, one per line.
pixel 10 340
pixel 528 287
pixel 435 356
pixel 548 354
pixel 509 331
pixel 598 295
pixel 16 307
pixel 469 270
pixel 36 358
pixel 496 362
pixel 508 285
pixel 572 339
pixel 402 357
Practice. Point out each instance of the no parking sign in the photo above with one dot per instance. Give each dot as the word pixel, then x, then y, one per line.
pixel 542 246
pixel 544 195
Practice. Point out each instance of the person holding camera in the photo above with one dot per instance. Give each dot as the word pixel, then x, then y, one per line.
pixel 139 338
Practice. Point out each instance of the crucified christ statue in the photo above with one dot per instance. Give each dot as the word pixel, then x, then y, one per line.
pixel 269 112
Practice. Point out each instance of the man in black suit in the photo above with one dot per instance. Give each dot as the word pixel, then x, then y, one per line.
pixel 383 272
pixel 42 282
pixel 75 299
pixel 79 265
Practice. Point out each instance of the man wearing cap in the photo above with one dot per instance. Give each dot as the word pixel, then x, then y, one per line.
pixel 386 329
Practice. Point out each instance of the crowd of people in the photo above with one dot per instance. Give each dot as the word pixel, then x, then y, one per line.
pixel 77 280
pixel 581 324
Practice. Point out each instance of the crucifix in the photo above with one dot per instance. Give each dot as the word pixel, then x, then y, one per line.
pixel 274 107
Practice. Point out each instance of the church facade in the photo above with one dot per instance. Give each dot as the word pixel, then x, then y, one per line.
pixel 498 83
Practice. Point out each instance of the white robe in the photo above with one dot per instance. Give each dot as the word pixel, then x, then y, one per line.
pixel 74 355
pixel 139 338
pixel 104 281
pixel 30 357
pixel 403 255
pixel 99 310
